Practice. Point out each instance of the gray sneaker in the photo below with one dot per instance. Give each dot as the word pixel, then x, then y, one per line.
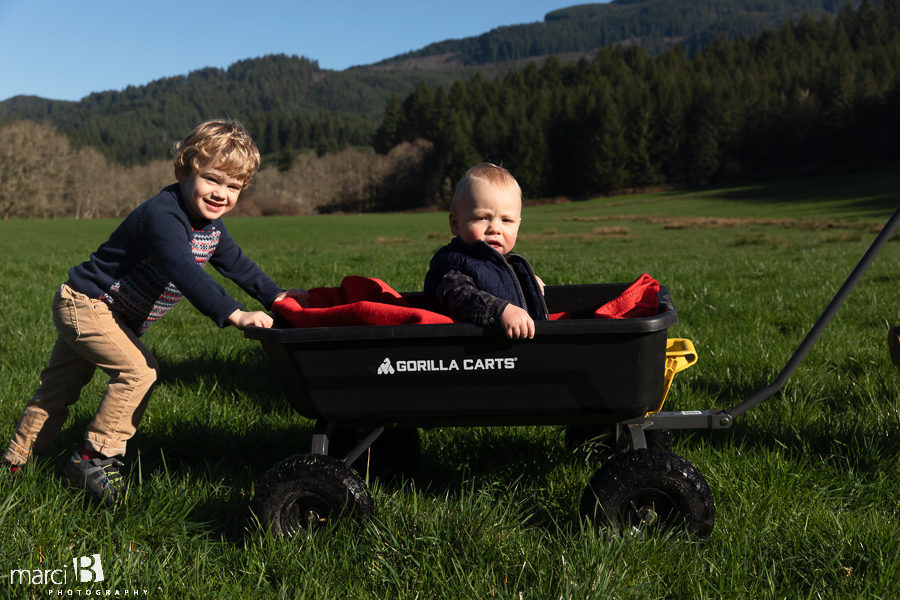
pixel 100 477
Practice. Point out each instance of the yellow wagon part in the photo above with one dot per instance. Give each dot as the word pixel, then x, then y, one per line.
pixel 680 355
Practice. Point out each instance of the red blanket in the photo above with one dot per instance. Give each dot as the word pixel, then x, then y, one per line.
pixel 640 299
pixel 358 301
pixel 370 301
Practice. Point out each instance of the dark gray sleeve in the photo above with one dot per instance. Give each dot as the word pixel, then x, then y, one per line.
pixel 459 299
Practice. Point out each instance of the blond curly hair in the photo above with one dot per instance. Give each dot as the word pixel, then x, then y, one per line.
pixel 224 142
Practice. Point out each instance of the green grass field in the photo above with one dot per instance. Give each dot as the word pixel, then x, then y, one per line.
pixel 805 484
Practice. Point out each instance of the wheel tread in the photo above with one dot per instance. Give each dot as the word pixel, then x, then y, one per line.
pixel 645 470
pixel 324 476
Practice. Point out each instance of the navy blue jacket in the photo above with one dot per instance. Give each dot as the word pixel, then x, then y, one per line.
pixel 508 278
pixel 157 254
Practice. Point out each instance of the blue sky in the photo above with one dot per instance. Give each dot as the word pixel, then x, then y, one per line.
pixel 66 49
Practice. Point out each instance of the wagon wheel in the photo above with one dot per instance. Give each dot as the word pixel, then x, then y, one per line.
pixel 394 454
pixel 306 492
pixel 650 490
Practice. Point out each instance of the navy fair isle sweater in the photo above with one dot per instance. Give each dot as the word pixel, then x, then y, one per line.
pixel 156 257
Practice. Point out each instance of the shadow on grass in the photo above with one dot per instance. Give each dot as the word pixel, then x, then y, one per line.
pixel 252 375
pixel 216 469
pixel 863 192
pixel 856 443
pixel 830 439
pixel 228 465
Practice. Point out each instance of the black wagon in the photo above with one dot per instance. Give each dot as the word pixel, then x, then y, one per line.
pixel 374 386
pixel 593 376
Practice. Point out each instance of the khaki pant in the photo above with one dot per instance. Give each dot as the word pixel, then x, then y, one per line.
pixel 90 336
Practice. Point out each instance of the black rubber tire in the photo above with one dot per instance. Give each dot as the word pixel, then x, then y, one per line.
pixel 307 492
pixel 394 454
pixel 650 490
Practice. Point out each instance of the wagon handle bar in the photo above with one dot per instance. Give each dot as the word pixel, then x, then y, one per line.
pixel 886 232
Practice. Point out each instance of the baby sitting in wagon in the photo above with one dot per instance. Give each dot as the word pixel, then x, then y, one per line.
pixel 477 277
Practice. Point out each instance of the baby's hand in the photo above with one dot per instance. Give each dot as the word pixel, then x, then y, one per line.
pixel 256 318
pixel 516 322
pixel 301 296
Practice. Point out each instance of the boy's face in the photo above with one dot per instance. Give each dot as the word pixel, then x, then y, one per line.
pixel 209 193
pixel 491 213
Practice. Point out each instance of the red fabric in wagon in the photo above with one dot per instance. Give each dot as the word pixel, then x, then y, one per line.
pixel 357 301
pixel 370 301
pixel 640 299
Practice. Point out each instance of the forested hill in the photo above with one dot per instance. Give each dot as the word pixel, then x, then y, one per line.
pixel 286 101
pixel 656 25
pixel 290 104
pixel 813 96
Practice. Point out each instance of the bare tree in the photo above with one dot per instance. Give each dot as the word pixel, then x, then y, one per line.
pixel 34 165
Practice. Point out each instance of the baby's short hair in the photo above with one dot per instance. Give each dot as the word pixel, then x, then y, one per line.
pixel 486 172
pixel 225 141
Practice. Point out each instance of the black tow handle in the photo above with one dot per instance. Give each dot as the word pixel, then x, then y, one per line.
pixel 886 232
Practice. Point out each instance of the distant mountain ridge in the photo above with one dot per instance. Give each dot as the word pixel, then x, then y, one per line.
pixel 657 25
pixel 290 104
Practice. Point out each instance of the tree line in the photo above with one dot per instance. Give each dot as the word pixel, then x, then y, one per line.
pixel 45 176
pixel 814 95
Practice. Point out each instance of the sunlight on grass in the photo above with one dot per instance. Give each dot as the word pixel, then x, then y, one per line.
pixel 804 484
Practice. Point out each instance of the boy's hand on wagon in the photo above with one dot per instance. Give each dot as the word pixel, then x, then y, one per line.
pixel 301 296
pixel 516 322
pixel 256 318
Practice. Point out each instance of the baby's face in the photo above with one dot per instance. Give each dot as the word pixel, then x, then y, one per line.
pixel 491 213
